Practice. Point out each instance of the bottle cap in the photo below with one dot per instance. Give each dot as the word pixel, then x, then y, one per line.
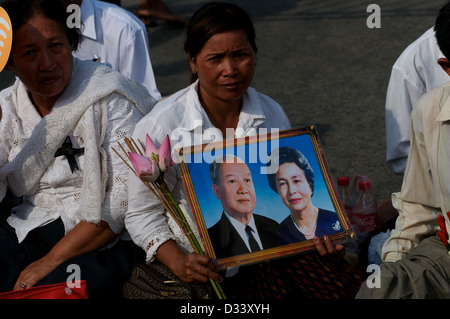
pixel 343 181
pixel 364 185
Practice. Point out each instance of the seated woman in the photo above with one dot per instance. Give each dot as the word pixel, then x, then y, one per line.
pixel 294 182
pixel 221 49
pixel 58 122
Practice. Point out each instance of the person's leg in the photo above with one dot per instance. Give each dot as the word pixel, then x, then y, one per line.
pixel 424 273
pixel 105 270
pixel 14 257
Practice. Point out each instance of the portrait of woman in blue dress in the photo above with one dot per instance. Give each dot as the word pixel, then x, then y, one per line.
pixel 294 182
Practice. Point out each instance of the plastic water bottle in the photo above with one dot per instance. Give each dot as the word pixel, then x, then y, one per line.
pixel 364 216
pixel 342 189
pixel 362 212
pixel 348 199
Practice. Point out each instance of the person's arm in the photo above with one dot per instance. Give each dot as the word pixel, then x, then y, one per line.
pixel 401 97
pixel 135 61
pixel 83 238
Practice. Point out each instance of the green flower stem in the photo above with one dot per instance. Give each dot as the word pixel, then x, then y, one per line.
pixel 187 229
pixel 192 239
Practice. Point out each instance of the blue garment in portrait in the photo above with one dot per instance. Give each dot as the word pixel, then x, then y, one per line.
pixel 327 223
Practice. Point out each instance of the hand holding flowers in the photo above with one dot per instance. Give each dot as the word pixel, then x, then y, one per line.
pixel 149 164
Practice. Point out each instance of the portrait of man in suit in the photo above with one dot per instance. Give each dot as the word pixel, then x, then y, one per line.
pixel 239 230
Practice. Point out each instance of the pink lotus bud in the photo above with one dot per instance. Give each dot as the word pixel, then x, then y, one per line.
pixel 150 148
pixel 165 155
pixel 146 169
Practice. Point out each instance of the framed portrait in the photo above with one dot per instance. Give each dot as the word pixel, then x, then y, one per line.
pixel 261 197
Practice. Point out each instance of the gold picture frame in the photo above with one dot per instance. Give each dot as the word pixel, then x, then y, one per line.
pixel 257 152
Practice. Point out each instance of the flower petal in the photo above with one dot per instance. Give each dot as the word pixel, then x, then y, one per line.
pixel 165 155
pixel 145 168
pixel 150 147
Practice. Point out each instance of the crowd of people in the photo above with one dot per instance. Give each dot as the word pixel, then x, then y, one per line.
pixel 77 93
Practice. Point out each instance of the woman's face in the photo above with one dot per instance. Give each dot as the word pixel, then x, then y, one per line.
pixel 293 187
pixel 42 58
pixel 225 66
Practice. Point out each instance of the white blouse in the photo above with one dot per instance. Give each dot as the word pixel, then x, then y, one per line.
pixel 182 117
pixel 58 193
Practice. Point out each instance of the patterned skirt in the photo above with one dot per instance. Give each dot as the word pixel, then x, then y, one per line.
pixel 305 276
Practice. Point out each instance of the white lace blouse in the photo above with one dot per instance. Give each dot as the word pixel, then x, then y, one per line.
pixel 58 193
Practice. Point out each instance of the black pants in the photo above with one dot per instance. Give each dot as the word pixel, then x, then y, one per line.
pixel 104 270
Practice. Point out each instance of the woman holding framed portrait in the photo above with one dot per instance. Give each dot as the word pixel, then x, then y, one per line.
pixel 218 105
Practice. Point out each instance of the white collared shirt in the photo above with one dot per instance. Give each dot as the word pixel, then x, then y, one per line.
pixel 182 117
pixel 240 228
pixel 414 73
pixel 426 185
pixel 120 38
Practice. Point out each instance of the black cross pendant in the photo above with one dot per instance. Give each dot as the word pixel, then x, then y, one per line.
pixel 67 150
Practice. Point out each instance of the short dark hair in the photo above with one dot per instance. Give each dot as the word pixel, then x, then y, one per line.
pixel 213 18
pixel 290 155
pixel 214 167
pixel 21 11
pixel 442 30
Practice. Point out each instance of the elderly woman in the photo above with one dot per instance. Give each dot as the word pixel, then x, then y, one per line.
pixel 294 182
pixel 221 49
pixel 59 121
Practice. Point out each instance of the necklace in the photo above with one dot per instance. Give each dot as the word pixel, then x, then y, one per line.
pixel 304 230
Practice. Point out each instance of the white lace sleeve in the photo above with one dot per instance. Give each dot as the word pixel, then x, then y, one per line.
pixel 6 129
pixel 122 118
pixel 146 220
pixel 3 160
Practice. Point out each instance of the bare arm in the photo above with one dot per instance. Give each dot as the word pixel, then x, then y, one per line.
pixel 83 238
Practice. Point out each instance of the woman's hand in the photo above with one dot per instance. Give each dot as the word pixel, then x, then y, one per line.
pixel 198 268
pixel 35 272
pixel 325 247
pixel 192 268
pixel 83 238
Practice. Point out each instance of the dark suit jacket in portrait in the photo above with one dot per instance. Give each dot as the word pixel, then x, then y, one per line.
pixel 226 241
pixel 327 223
